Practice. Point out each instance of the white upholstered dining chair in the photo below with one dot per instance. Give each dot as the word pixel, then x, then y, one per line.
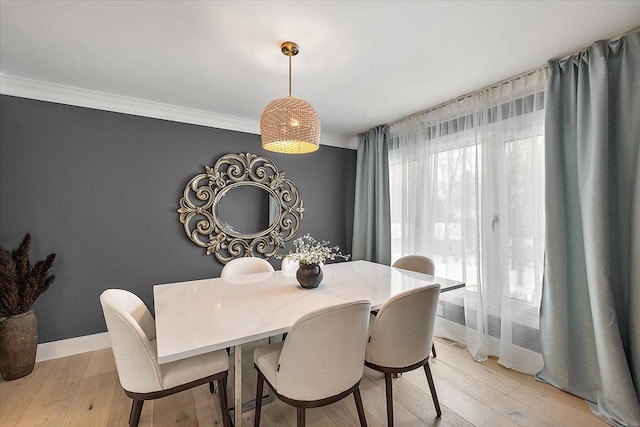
pixel 245 265
pixel 133 340
pixel 320 362
pixel 288 264
pixel 419 264
pixel 401 336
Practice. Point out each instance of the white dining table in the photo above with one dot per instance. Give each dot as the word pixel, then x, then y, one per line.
pixel 201 316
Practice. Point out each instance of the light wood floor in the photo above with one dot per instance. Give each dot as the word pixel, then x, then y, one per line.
pixel 83 390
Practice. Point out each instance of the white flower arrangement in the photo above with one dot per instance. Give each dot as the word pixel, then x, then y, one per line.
pixel 309 251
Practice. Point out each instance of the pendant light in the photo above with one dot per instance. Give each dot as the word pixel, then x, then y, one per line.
pixel 290 125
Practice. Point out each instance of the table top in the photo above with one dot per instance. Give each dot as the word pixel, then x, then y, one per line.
pixel 200 316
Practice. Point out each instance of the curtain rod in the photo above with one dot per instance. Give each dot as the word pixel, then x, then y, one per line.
pixel 506 81
pixel 475 92
pixel 612 39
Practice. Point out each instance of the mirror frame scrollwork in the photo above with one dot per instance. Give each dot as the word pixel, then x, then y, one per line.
pixel 203 193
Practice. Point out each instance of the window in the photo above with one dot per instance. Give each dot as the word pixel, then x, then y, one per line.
pixel 467 189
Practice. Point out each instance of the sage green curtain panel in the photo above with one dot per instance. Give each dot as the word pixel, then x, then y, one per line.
pixel 372 217
pixel 590 311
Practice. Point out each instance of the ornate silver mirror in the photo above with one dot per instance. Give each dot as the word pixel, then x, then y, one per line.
pixel 243 206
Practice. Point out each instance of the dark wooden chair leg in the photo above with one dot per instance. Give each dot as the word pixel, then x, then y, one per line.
pixel 358 399
pixel 136 410
pixel 224 406
pixel 433 350
pixel 301 421
pixel 389 391
pixel 259 385
pixel 432 387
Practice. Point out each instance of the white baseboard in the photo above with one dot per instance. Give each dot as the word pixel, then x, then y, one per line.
pixel 68 347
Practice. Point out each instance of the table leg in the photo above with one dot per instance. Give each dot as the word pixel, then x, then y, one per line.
pixel 237 389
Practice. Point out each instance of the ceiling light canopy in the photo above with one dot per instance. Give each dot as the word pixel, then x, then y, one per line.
pixel 290 125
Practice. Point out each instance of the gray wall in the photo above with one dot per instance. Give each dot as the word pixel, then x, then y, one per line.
pixel 101 190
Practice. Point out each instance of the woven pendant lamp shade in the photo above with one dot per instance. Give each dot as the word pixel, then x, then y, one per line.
pixel 290 125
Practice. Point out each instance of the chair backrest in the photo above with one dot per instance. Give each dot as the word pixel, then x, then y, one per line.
pixel 132 330
pixel 402 331
pixel 288 264
pixel 245 265
pixel 417 263
pixel 323 354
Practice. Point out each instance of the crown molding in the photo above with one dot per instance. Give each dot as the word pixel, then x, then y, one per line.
pixel 43 91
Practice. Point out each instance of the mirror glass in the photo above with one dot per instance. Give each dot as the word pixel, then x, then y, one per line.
pixel 245 209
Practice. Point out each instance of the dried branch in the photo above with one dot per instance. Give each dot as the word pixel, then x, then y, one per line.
pixel 20 284
pixel 21 258
pixel 8 283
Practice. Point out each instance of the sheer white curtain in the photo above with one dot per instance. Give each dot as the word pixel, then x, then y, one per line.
pixel 467 189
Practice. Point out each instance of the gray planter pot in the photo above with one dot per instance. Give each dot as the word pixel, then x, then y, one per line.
pixel 18 344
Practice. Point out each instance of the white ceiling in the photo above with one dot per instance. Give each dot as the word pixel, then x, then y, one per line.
pixel 361 63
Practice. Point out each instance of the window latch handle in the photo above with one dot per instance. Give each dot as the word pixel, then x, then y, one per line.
pixel 496 218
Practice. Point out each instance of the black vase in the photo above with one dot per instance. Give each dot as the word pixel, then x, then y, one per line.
pixel 309 275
